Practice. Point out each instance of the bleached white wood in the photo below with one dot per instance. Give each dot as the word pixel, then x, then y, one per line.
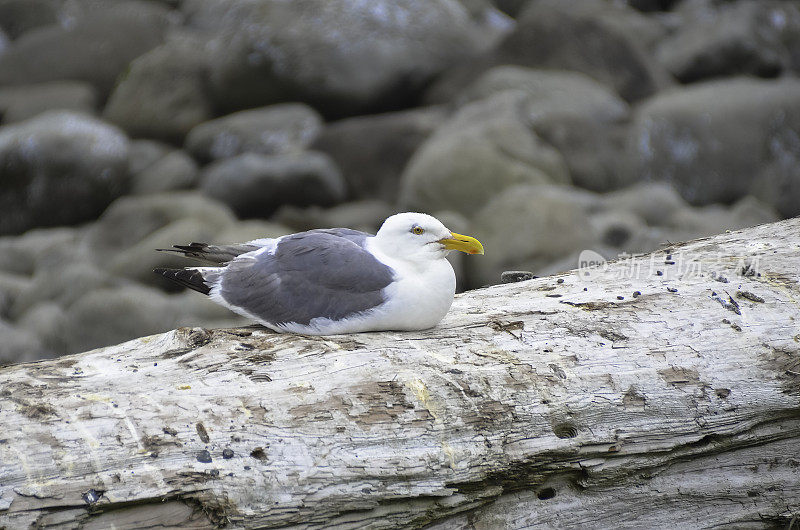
pixel 537 403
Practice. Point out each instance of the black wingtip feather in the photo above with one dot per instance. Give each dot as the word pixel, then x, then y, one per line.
pixel 191 278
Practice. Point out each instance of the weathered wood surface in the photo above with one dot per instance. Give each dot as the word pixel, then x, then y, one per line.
pixel 538 403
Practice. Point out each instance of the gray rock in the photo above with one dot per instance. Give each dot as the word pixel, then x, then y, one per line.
pixel 48 322
pixel 714 141
pixel 243 231
pixel 19 345
pixel 655 202
pixel 277 129
pixel 617 228
pixel 652 5
pixel 527 227
pixel 716 219
pixel 334 54
pixel 131 219
pixel 12 286
pixel 778 183
pixel 254 185
pixel 367 216
pixel 144 153
pixel 24 254
pixel 593 151
pixel 19 16
pixel 163 94
pixel 581 118
pixel 71 283
pixel 552 94
pixel 174 171
pixel 594 37
pixel 372 151
pixel 745 37
pixel 95 47
pixel 486 147
pixel 110 316
pixel 138 260
pixel 21 103
pixel 59 168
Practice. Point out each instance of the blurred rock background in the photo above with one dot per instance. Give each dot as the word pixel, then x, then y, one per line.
pixel 542 127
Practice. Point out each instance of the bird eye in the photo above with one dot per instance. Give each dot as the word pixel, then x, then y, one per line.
pixel 418 230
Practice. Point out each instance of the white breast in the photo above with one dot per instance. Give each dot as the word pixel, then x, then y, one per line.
pixel 419 298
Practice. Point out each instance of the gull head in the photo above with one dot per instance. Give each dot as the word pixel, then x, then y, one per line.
pixel 418 236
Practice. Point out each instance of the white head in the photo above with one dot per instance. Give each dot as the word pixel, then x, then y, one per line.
pixel 417 237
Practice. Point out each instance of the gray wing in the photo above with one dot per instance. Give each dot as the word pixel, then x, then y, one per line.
pixel 319 273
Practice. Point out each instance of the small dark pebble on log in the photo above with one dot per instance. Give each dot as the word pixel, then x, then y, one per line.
pixel 669 263
pixel 637 294
pixel 204 456
pixel 620 298
pixel 672 289
pixel 92 496
pixel 659 273
pixel 227 453
pixel 560 280
pixel 749 296
pixel 201 432
pixel 516 276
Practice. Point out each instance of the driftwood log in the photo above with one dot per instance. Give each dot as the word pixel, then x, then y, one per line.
pixel 659 391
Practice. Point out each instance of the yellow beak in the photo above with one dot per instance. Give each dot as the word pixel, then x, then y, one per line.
pixel 467 244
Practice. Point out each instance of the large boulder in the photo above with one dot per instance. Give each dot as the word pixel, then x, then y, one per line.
pixel 255 185
pixel 96 47
pixel 373 150
pixel 59 168
pixel 24 102
pixel 175 170
pixel 131 219
pixel 272 130
pixel 584 120
pixel 48 323
pixel 343 57
pixel 19 345
pixel 718 141
pixel 19 16
pixel 716 219
pixel 487 146
pixel 110 316
pixel 366 215
pixel 12 287
pixel 608 42
pixel 655 202
pixel 163 93
pixel 24 254
pixel 138 260
pixel 754 37
pixel 72 282
pixel 552 94
pixel 528 227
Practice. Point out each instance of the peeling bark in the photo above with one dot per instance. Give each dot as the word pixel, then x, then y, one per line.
pixel 561 401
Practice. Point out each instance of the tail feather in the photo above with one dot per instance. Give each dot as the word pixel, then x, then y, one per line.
pixel 212 254
pixel 191 278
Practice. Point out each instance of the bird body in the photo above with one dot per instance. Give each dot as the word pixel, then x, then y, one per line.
pixel 333 281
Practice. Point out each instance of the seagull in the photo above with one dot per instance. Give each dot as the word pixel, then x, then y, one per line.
pixel 336 280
